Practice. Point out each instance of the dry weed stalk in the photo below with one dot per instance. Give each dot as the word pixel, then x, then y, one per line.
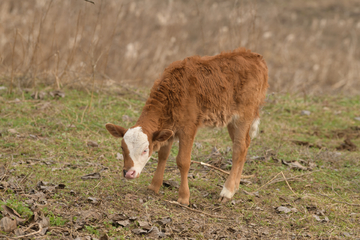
pixel 310 52
pixel 12 62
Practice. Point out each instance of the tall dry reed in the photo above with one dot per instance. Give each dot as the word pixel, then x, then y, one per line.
pixel 310 46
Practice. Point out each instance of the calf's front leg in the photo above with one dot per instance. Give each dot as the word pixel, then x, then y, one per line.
pixel 183 160
pixel 163 155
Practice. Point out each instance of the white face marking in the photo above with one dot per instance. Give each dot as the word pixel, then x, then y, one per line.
pixel 137 143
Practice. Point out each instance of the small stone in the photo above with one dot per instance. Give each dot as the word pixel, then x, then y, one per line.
pixel 126 118
pixel 283 209
pixel 198 145
pixel 13 131
pixel 92 144
pixel 357 118
pixel 305 112
pixel 119 156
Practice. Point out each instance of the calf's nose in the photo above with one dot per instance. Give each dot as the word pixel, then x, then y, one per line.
pixel 124 171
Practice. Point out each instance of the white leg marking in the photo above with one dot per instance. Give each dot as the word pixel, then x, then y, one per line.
pixel 254 130
pixel 226 193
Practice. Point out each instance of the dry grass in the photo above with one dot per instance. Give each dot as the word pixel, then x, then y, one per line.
pixel 310 47
pixel 47 140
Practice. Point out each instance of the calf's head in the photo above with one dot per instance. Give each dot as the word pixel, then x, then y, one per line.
pixel 137 146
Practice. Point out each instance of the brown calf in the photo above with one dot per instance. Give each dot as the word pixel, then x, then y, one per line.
pixel 222 90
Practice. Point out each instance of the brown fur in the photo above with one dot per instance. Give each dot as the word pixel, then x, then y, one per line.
pixel 222 90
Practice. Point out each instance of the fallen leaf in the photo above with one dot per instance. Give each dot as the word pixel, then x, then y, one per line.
pixel 139 231
pixel 214 152
pixel 95 175
pixel 133 218
pixel 170 183
pixel 123 223
pixel 198 145
pixel 245 182
pixel 93 200
pixel 13 214
pixel 347 145
pixel 38 95
pixel 90 216
pixel 4 185
pixel 19 232
pixel 118 217
pixel 7 224
pixel 154 232
pixel 306 144
pixel 164 221
pixel 256 194
pixel 325 219
pixel 44 105
pixel 144 224
pixel 57 93
pixel 60 186
pixel 294 165
pixel 45 221
pixel 283 209
pixel 92 144
pixel 104 236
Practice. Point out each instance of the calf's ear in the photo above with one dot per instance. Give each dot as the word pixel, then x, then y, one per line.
pixel 162 135
pixel 115 130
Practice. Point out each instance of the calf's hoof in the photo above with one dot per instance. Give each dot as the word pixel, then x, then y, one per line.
pixel 183 201
pixel 154 188
pixel 224 199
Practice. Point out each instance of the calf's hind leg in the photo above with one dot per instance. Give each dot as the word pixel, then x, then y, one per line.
pixel 239 132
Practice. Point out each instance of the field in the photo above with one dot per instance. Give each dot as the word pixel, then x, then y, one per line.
pixel 69 67
pixel 304 181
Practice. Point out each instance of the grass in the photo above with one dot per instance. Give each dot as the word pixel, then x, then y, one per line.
pixel 51 146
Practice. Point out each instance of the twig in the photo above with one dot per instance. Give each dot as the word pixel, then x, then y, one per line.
pixel 287 183
pixel 4 236
pixel 350 204
pixel 58 229
pixel 97 184
pixel 268 182
pixel 24 178
pixel 6 169
pixel 219 169
pixel 284 179
pixel 30 234
pixel 194 210
pixel 292 178
pixel 82 116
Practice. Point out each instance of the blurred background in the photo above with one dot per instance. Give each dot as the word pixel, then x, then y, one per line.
pixel 310 46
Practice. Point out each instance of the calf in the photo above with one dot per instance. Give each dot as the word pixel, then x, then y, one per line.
pixel 222 90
